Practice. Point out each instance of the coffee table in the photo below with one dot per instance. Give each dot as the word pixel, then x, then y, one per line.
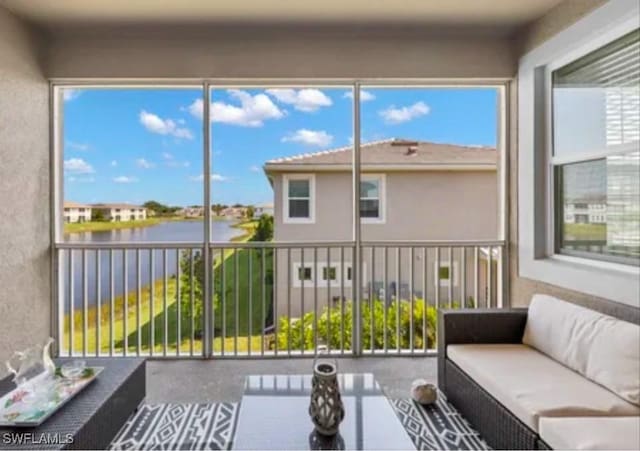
pixel 274 415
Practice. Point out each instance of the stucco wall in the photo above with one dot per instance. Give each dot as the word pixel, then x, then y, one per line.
pixel 24 191
pixel 433 205
pixel 256 52
pixel 521 289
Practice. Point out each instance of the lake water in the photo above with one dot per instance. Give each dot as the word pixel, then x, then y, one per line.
pixel 164 262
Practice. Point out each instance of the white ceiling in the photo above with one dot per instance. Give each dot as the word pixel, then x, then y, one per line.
pixel 501 14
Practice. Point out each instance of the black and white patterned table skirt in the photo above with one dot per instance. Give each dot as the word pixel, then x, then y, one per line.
pixel 437 426
pixel 179 427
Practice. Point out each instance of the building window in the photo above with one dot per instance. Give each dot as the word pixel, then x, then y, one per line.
pixel 596 158
pixel 372 188
pixel 443 274
pixel 299 192
pixel 329 273
pixel 304 273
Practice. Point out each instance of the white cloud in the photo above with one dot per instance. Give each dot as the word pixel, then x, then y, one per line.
pixel 365 96
pixel 255 168
pixel 318 138
pixel 114 163
pixel 78 166
pixel 69 94
pixel 214 178
pixel 156 124
pixel 252 111
pixel 167 156
pixel 144 164
pixel 393 115
pixel 78 146
pixel 307 100
pixel 125 179
pixel 81 179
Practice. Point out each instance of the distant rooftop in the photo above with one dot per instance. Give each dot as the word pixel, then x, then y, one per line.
pixel 394 152
pixel 116 205
pixel 70 204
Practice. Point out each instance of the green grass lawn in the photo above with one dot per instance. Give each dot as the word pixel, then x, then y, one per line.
pixel 100 226
pixel 248 292
pixel 250 312
pixel 585 232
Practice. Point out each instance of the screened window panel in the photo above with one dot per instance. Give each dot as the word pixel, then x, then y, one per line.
pixel 369 208
pixel 596 100
pixel 299 188
pixel 299 208
pixel 369 188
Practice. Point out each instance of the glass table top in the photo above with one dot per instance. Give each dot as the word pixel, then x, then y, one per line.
pixel 274 415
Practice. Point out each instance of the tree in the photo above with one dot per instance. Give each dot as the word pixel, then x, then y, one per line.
pixel 250 212
pixel 97 215
pixel 264 229
pixel 217 209
pixel 160 209
pixel 188 285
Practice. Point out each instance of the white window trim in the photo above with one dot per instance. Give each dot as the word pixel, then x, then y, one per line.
pixel 382 198
pixel 536 258
pixel 312 199
pixel 445 282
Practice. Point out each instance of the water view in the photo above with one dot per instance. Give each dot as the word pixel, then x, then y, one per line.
pixel 164 262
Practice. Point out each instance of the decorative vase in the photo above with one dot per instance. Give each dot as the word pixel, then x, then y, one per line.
pixel 326 409
pixel 423 392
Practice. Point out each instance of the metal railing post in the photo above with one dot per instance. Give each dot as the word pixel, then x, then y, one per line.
pixel 207 289
pixel 356 336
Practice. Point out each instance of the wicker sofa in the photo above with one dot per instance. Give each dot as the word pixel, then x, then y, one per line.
pixel 554 376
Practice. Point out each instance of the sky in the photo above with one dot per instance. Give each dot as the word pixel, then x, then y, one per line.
pixel 135 145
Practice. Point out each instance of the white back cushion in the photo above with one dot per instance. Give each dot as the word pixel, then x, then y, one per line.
pixel 600 347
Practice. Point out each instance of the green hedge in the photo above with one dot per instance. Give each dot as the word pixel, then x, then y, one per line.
pixel 330 324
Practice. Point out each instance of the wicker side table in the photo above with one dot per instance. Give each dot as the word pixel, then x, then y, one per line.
pixel 93 417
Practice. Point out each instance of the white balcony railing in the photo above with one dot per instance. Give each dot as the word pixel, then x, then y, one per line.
pixel 267 299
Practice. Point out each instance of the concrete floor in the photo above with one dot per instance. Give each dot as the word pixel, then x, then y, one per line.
pixel 201 381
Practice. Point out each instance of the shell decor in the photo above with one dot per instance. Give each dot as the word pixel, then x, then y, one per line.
pixel 423 392
pixel 326 408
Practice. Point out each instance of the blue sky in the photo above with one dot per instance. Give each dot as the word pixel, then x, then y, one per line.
pixel 134 145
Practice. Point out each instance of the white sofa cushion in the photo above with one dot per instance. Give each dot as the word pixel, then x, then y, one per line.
pixel 532 385
pixel 591 432
pixel 602 348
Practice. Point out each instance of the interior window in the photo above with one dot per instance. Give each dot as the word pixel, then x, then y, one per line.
pixel 596 157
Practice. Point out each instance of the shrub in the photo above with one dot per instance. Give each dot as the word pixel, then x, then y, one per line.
pixel 395 328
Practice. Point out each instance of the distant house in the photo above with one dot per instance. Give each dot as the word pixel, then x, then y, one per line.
pixel 263 209
pixel 586 211
pixel 75 212
pixel 192 212
pixel 234 212
pixel 410 191
pixel 120 212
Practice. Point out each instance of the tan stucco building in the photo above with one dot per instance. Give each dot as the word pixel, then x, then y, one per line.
pixel 411 191
pixel 121 212
pixel 76 212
